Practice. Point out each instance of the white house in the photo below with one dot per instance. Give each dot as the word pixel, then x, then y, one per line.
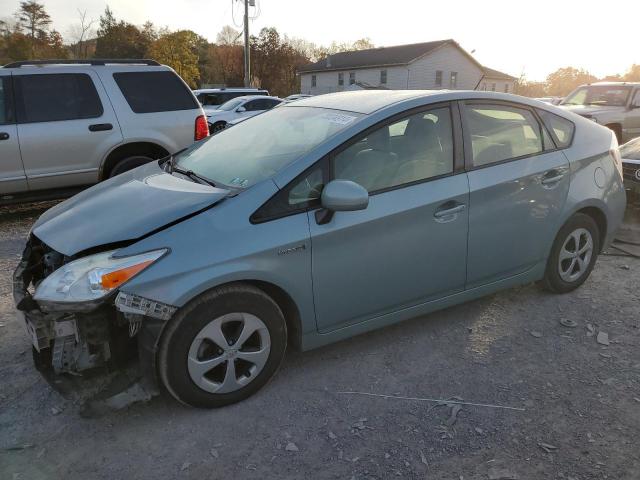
pixel 441 64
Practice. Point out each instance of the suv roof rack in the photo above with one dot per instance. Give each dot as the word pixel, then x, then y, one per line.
pixel 100 62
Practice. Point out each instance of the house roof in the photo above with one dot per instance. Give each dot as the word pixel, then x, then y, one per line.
pixel 491 73
pixel 374 57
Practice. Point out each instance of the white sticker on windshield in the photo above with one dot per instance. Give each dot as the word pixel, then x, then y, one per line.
pixel 339 118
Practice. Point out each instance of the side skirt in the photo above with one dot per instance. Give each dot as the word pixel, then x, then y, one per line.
pixel 314 339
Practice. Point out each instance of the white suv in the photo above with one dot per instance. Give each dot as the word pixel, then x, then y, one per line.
pixel 68 124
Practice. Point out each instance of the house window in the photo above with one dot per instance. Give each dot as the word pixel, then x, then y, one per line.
pixel 383 77
pixel 438 78
pixel 352 78
pixel 313 80
pixel 493 87
pixel 341 78
pixel 506 88
pixel 453 80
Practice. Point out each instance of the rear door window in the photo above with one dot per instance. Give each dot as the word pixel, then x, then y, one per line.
pixel 56 97
pixel 6 111
pixel 561 128
pixel 149 92
pixel 501 132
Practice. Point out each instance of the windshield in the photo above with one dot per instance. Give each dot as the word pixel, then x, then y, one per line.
pixel 231 104
pixel 256 149
pixel 631 150
pixel 611 96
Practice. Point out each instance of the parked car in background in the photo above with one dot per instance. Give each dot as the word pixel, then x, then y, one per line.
pixel 615 105
pixel 241 107
pixel 550 100
pixel 297 96
pixel 66 126
pixel 630 153
pixel 319 220
pixel 212 98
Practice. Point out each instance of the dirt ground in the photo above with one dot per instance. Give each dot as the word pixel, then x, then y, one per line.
pixel 576 402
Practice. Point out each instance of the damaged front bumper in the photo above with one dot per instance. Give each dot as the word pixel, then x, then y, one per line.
pixel 73 338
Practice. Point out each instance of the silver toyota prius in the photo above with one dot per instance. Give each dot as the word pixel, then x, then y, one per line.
pixel 322 219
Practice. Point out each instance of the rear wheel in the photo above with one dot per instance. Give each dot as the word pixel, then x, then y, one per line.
pixel 128 163
pixel 573 254
pixel 222 347
pixel 218 127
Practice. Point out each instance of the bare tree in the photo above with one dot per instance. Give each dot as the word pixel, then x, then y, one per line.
pixel 228 36
pixel 81 32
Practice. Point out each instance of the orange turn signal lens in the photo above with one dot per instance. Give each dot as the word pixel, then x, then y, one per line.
pixel 114 279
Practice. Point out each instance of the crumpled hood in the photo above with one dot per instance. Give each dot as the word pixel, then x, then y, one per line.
pixel 590 109
pixel 125 207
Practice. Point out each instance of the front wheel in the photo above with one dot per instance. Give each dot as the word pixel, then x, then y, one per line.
pixel 218 127
pixel 222 347
pixel 573 254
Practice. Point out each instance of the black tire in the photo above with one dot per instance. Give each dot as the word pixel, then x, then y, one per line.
pixel 181 331
pixel 218 127
pixel 128 163
pixel 553 280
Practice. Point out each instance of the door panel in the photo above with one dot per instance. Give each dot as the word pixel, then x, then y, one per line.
pixel 12 177
pixel 631 124
pixel 396 253
pixel 514 214
pixel 59 142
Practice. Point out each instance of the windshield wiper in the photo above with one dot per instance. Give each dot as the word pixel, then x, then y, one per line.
pixel 171 167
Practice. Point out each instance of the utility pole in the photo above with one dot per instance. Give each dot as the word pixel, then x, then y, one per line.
pixel 247 65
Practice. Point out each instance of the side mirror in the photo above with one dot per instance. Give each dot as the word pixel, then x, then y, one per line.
pixel 341 196
pixel 241 109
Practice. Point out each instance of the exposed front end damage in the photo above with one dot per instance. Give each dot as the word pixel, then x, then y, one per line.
pixel 74 338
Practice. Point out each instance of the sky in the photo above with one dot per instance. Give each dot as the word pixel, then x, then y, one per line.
pixel 516 37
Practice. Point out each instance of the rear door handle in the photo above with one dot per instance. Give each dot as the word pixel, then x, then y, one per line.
pixel 449 209
pixel 100 127
pixel 4 136
pixel 551 177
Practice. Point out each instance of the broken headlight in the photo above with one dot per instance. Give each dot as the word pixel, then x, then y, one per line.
pixel 92 277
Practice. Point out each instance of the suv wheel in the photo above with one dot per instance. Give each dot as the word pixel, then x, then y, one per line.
pixel 573 254
pixel 218 127
pixel 222 347
pixel 128 163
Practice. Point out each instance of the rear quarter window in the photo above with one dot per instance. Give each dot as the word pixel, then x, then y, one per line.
pixel 561 128
pixel 149 92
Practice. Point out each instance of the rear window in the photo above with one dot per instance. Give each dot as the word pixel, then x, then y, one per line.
pixel 148 92
pixel 561 128
pixel 56 97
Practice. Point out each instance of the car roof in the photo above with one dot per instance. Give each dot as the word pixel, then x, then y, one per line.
pixel 613 84
pixel 370 101
pixel 251 97
pixel 231 90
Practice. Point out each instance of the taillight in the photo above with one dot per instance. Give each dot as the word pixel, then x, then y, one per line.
pixel 202 128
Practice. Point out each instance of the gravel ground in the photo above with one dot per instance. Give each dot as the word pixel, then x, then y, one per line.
pixel 576 402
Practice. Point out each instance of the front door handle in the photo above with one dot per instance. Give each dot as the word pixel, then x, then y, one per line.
pixel 4 136
pixel 448 211
pixel 100 127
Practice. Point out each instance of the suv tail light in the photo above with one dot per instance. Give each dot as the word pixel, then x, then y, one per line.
pixel 202 128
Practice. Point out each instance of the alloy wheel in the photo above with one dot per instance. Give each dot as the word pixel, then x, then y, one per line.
pixel 229 352
pixel 575 255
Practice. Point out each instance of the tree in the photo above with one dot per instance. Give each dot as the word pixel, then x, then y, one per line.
pixel 633 75
pixel 528 88
pixel 34 18
pixel 228 36
pixel 362 44
pixel 564 80
pixel 80 33
pixel 120 39
pixel 179 50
